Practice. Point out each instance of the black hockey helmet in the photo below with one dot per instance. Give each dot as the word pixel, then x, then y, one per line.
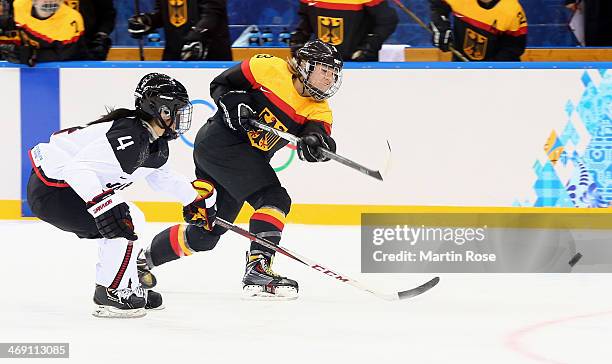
pixel 165 100
pixel 306 59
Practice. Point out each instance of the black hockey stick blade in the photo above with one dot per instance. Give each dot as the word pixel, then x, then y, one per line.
pixel 349 163
pixel 403 295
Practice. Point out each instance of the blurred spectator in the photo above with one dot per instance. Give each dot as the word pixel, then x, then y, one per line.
pixel 597 21
pixel 484 30
pixel 357 28
pixel 195 29
pixel 99 18
pixel 45 30
pixel 6 16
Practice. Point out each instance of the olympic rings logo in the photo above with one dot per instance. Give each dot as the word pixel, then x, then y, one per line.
pixel 213 109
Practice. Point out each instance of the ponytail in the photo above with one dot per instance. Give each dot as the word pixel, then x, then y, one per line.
pixel 120 114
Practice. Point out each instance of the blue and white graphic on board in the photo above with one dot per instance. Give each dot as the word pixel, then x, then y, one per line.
pixel 577 170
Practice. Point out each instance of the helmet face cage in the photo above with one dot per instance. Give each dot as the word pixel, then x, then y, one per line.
pixel 333 75
pixel 46 7
pixel 319 67
pixel 166 101
pixel 175 113
pixel 182 118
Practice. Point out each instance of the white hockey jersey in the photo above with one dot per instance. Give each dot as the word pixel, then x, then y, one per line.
pixel 108 155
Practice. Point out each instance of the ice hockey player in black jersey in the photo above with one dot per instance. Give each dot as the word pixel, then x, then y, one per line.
pixel 357 28
pixel 99 20
pixel 483 30
pixel 77 178
pixel 43 31
pixel 231 153
pixel 195 30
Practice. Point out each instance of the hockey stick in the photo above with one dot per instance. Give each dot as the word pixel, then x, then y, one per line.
pixel 329 154
pixel 140 40
pixel 402 295
pixel 424 26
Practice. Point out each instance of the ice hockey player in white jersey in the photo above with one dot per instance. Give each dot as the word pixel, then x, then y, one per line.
pixel 77 177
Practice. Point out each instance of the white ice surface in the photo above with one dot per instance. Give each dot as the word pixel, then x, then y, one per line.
pixel 47 284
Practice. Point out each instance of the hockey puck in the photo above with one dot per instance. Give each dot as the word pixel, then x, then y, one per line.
pixel 575 259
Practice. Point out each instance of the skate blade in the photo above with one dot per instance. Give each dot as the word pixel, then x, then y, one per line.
pixel 113 312
pixel 258 293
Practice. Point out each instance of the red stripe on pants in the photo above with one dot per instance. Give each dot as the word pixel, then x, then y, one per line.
pixel 123 267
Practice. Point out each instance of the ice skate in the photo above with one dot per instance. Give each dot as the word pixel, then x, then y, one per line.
pixel 154 299
pixel 118 303
pixel 261 283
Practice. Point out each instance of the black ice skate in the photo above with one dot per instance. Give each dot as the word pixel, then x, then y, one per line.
pixel 144 265
pixel 260 282
pixel 118 303
pixel 154 299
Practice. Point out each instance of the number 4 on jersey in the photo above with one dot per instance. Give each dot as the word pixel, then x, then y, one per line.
pixel 122 144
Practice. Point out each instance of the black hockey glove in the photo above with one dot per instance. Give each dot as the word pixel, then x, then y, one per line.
pixel 237 110
pixel 112 216
pixel 194 45
pixel 442 34
pixel 367 51
pixel 18 54
pixel 99 46
pixel 139 25
pixel 312 138
pixel 203 210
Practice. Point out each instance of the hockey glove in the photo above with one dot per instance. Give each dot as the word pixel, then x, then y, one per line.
pixel 112 216
pixel 18 54
pixel 194 46
pixel 139 25
pixel 367 51
pixel 203 210
pixel 312 138
pixel 236 110
pixel 99 46
pixel 442 33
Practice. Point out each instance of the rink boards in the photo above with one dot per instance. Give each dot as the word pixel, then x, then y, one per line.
pixel 487 136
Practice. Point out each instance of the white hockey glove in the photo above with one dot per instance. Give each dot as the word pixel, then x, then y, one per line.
pixel 112 216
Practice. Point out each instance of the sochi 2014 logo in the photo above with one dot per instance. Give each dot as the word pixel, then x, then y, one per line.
pixel 203 109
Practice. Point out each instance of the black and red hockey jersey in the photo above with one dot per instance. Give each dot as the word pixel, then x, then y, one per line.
pixel 347 24
pixel 56 38
pixel 494 31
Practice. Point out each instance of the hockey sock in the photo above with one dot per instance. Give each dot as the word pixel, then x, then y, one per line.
pixel 116 265
pixel 266 222
pixel 169 245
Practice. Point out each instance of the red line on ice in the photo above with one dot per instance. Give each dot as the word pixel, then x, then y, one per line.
pixel 513 341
